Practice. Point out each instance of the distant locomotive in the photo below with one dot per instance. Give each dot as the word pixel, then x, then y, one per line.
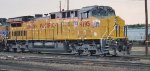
pixel 89 30
pixel 3 31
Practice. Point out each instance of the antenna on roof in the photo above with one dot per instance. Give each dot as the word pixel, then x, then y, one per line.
pixel 60 5
pixel 46 15
pixel 67 4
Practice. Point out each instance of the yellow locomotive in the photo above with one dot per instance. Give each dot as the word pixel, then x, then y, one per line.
pixel 89 30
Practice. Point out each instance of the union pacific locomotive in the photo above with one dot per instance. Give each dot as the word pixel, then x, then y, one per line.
pixel 89 30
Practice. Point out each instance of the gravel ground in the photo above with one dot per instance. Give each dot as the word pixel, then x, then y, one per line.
pixel 139 51
pixel 13 64
pixel 37 66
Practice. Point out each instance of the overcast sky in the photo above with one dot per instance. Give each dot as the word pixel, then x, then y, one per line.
pixel 132 11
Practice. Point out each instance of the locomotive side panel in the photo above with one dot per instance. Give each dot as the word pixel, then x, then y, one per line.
pixel 61 30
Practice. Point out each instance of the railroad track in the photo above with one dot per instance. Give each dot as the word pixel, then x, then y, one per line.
pixel 106 61
pixel 88 62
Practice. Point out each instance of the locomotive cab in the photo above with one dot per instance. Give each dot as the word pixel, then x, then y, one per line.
pixel 96 11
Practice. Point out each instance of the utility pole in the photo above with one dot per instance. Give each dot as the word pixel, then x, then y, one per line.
pixel 67 4
pixel 146 28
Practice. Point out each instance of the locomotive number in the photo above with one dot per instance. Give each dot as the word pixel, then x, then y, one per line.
pixel 85 23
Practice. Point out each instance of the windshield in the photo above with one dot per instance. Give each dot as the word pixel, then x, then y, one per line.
pixel 103 12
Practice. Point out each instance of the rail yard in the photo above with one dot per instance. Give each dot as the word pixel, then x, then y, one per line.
pixel 91 38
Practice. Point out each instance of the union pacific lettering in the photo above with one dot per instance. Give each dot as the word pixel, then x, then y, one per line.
pixel 53 25
pixel 48 25
pixel 31 26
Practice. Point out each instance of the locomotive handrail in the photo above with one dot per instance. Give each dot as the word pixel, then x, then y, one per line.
pixel 111 32
pixel 103 37
pixel 104 33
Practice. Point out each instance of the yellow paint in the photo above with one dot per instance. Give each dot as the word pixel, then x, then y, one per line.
pixel 66 29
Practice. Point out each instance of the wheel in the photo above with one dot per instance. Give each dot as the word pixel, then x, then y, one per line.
pixel 14 50
pixel 89 54
pixel 76 54
pixel 114 55
pixel 92 52
pixel 7 50
pixel 80 52
pixel 30 51
pixel 102 55
pixel 39 52
pixel 22 50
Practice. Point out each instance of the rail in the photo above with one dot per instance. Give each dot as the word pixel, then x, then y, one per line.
pixel 131 62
